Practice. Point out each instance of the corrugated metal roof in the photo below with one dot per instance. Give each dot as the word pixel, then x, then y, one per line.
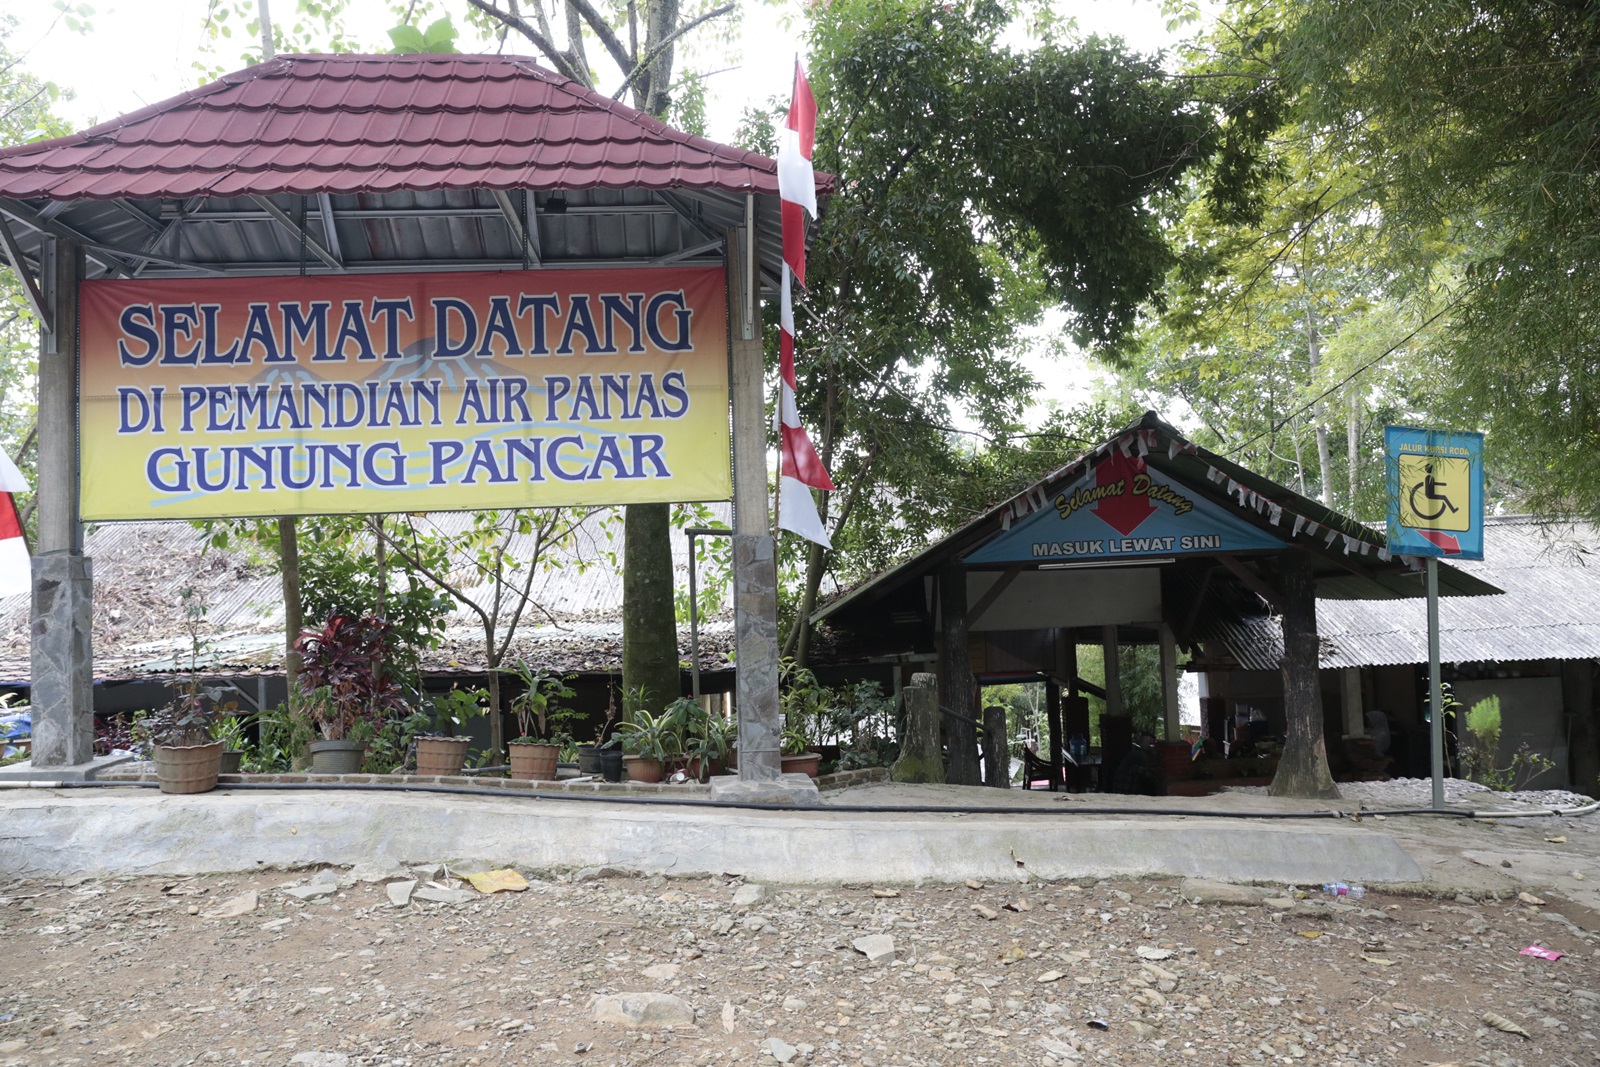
pixel 1549 570
pixel 141 569
pixel 372 124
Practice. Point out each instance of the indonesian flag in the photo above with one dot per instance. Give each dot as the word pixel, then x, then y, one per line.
pixel 800 468
pixel 16 573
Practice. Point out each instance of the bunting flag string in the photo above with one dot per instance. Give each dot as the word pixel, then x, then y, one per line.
pixel 800 469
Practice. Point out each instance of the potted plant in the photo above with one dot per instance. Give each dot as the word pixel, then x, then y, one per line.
pixel 342 671
pixel 188 759
pixel 807 705
pixel 702 737
pixel 445 753
pixel 231 731
pixel 645 739
pixel 593 756
pixel 541 723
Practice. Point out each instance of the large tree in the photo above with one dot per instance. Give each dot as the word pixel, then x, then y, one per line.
pixel 980 185
pixel 1476 120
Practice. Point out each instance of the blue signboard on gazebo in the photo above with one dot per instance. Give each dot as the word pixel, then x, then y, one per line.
pixel 1123 510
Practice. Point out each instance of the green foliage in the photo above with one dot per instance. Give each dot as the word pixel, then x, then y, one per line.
pixel 1483 719
pixel 1473 125
pixel 652 736
pixel 1481 748
pixel 538 709
pixel 438 37
pixel 284 733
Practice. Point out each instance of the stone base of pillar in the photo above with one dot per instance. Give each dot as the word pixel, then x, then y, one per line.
pixel 63 660
pixel 26 771
pixel 787 790
pixel 755 625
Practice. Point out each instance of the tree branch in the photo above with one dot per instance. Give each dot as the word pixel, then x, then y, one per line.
pixel 649 58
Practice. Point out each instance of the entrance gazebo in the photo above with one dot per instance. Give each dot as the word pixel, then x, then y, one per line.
pixel 356 165
pixel 1148 538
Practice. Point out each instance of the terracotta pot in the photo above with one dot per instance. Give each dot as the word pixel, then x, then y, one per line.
pixel 337 757
pixel 714 767
pixel 642 768
pixel 534 762
pixel 806 763
pixel 188 768
pixel 441 755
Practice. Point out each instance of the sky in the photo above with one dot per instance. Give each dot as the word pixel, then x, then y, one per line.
pixel 138 52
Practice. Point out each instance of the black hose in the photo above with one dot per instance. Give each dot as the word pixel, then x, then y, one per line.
pixel 861 809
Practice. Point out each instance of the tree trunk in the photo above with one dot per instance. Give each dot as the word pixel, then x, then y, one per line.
pixel 649 622
pixel 1303 768
pixel 293 623
pixel 497 726
pixel 1352 451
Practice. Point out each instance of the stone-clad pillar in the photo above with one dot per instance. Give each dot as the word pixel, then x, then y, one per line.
pixel 755 574
pixel 62 653
pixel 755 627
pixel 63 677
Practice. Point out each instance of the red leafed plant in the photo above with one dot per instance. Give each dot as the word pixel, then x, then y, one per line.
pixel 343 673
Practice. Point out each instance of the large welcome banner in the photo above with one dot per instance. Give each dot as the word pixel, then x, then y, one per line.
pixel 403 392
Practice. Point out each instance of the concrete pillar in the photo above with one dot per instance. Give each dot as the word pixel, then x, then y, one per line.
pixel 1355 719
pixel 1052 715
pixel 1169 683
pixel 996 753
pixel 62 613
pixel 920 760
pixel 1112 654
pixel 755 576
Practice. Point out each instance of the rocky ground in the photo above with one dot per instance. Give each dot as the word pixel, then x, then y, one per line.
pixel 338 968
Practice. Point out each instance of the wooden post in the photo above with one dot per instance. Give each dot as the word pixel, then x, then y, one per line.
pixel 1169 684
pixel 955 678
pixel 1052 712
pixel 1112 653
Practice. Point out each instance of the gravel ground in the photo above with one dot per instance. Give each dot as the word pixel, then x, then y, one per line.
pixel 136 971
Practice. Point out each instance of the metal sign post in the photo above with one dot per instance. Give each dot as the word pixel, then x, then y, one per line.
pixel 1435 483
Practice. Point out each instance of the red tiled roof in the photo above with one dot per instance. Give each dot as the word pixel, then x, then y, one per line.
pixel 364 124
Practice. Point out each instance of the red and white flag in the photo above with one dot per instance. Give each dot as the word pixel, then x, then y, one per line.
pixel 800 468
pixel 16 572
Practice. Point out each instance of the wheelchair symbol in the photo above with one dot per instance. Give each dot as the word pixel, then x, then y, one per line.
pixel 1429 487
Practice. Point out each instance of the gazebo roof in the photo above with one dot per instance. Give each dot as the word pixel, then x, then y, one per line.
pixel 355 162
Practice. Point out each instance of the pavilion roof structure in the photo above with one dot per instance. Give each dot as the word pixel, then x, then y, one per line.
pixel 1350 560
pixel 326 164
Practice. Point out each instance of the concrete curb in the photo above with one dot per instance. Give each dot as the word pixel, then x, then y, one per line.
pixel 144 832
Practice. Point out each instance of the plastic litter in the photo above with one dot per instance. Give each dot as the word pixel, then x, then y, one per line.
pixel 1542 952
pixel 1340 889
pixel 1099 1024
